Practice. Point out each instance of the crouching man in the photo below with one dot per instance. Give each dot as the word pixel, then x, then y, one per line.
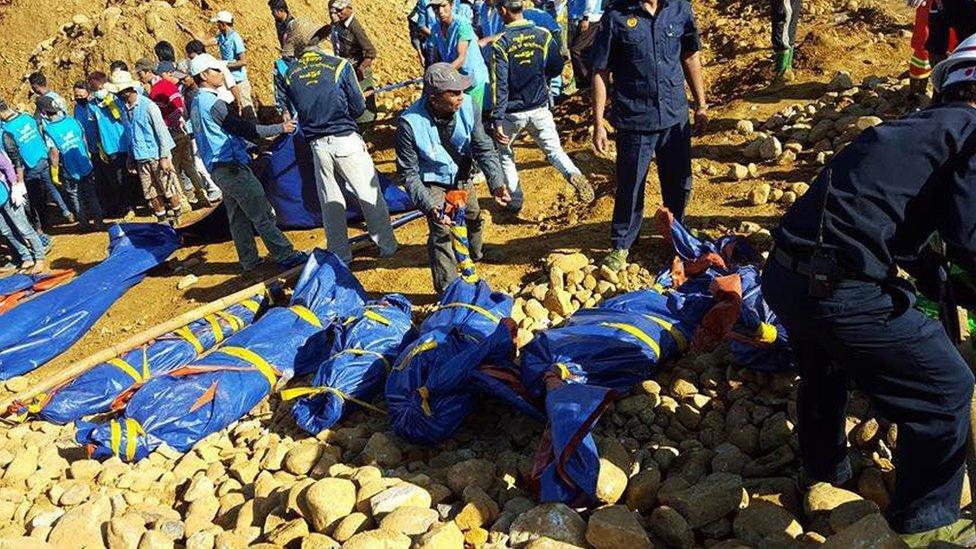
pixel 439 139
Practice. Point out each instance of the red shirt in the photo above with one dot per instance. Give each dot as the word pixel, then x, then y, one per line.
pixel 167 96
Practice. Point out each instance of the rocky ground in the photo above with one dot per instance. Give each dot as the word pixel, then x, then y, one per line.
pixel 703 455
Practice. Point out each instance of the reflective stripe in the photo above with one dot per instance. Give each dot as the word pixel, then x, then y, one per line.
pixel 636 332
pixel 290 394
pixel 218 332
pixel 186 333
pixel 420 348
pixel 306 314
pixel 251 305
pixel 127 368
pixel 425 401
pixel 480 310
pixel 266 369
pixel 675 333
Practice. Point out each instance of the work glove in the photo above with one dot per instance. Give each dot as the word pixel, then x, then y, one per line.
pixel 18 195
pixel 56 175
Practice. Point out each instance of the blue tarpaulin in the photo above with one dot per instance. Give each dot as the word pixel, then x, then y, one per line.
pixel 106 386
pixel 18 287
pixel 44 327
pixel 186 405
pixel 430 390
pixel 362 349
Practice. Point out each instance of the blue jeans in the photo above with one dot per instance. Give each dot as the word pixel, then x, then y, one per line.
pixel 83 198
pixel 17 230
pixel 40 190
pixel 671 148
pixel 871 336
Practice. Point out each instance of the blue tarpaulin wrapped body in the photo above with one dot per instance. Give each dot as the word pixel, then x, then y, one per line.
pixel 288 177
pixel 18 287
pixel 186 405
pixel 44 327
pixel 105 387
pixel 362 349
pixel 431 388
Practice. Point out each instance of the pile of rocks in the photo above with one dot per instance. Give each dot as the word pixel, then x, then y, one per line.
pixel 705 453
pixel 806 136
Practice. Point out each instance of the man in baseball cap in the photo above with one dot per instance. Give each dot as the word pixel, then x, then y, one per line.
pixel 439 139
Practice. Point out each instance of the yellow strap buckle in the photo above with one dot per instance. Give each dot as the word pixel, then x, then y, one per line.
pixel 267 370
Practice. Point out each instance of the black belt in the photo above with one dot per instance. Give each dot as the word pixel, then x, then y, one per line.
pixel 802 267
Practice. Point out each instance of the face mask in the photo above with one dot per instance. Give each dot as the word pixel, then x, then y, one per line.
pixel 81 100
pixel 101 94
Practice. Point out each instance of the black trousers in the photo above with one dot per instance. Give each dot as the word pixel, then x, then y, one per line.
pixel 785 14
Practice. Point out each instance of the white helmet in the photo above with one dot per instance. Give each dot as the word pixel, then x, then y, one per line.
pixel 950 71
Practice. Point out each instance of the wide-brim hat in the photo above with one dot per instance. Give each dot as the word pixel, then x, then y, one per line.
pixel 305 33
pixel 121 81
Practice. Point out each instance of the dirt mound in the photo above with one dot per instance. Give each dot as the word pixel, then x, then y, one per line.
pixel 68 39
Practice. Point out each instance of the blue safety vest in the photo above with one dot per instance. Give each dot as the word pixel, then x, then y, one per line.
pixel 214 144
pixel 112 120
pixel 447 48
pixel 142 134
pixel 23 128
pixel 69 138
pixel 436 164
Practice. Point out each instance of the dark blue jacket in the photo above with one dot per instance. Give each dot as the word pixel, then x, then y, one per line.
pixel 523 60
pixel 890 190
pixel 324 91
pixel 643 53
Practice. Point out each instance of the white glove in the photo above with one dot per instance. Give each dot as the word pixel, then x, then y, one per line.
pixel 18 195
pixel 915 4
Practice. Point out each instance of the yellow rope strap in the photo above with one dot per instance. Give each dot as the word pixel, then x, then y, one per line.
pixel 132 430
pixel 129 369
pixel 266 369
pixel 480 310
pixel 564 372
pixel 669 327
pixel 235 321
pixel 425 401
pixel 636 332
pixel 251 305
pixel 420 348
pixel 218 332
pixel 376 317
pixel 364 352
pixel 306 314
pixel 291 394
pixel 186 333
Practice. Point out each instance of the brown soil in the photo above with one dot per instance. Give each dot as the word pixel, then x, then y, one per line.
pixel 870 39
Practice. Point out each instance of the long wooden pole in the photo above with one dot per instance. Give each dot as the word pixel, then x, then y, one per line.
pixel 80 367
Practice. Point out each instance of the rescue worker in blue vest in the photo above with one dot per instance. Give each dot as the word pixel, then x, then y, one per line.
pixel 71 161
pixel 832 280
pixel 328 99
pixel 24 144
pixel 523 60
pixel 649 47
pixel 220 135
pixel 119 198
pixel 439 139
pixel 453 41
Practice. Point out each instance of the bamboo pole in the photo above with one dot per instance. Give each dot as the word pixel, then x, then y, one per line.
pixel 80 367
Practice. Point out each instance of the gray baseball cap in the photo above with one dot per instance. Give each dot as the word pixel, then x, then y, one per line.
pixel 442 77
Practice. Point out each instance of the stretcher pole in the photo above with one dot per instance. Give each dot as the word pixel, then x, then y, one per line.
pixel 74 370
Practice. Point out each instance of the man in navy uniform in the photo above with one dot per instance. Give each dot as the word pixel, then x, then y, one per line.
pixel 832 279
pixel 650 47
